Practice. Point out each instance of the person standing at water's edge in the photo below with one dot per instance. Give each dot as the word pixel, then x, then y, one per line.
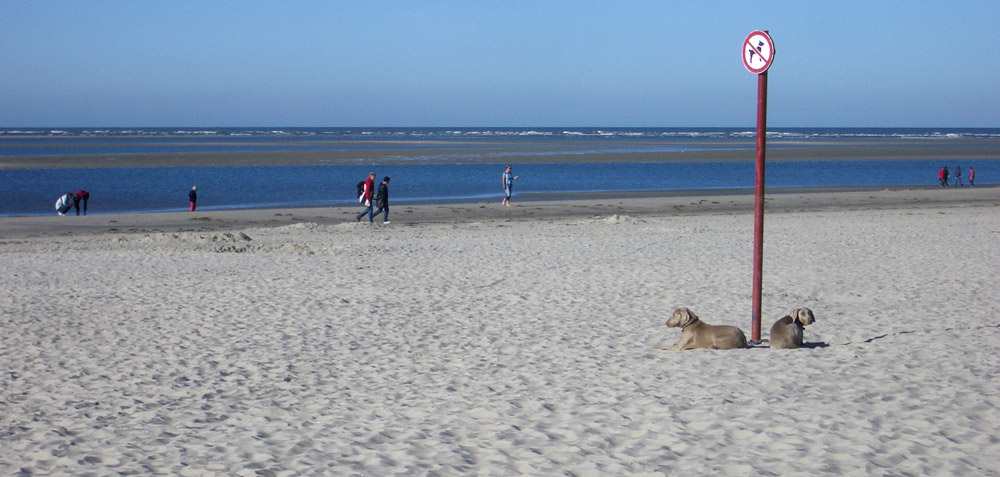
pixel 193 197
pixel 972 176
pixel 366 197
pixel 508 179
pixel 382 200
pixel 958 176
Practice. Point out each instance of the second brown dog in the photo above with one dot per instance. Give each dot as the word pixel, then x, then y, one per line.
pixel 786 333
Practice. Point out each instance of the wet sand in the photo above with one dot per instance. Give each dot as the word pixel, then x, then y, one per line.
pixel 653 204
pixel 420 152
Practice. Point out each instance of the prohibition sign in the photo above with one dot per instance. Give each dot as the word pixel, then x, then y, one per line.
pixel 758 52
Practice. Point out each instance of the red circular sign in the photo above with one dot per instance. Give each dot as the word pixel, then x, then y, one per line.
pixel 758 52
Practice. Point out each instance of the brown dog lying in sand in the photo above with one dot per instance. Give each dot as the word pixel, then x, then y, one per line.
pixel 786 333
pixel 697 334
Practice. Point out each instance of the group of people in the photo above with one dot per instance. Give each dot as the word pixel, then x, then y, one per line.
pixel 370 196
pixel 379 198
pixel 943 176
pixel 375 198
pixel 71 200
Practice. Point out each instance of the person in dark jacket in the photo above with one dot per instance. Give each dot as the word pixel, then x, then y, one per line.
pixel 193 197
pixel 382 200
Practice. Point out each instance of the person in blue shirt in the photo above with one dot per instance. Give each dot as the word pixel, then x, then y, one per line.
pixel 508 185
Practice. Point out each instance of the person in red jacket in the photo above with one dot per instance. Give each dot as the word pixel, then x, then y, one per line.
pixel 366 198
pixel 972 176
pixel 81 195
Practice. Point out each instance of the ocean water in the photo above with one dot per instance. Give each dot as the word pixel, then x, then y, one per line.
pixel 442 176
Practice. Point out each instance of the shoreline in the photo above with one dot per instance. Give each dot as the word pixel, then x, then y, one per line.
pixel 525 208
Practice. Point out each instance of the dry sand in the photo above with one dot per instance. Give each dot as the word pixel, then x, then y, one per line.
pixel 474 339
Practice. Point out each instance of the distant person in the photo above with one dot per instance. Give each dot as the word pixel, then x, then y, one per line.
pixel 972 176
pixel 64 203
pixel 382 200
pixel 958 176
pixel 508 179
pixel 193 197
pixel 81 195
pixel 943 175
pixel 366 197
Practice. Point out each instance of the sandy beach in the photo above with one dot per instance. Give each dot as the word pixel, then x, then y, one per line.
pixel 474 339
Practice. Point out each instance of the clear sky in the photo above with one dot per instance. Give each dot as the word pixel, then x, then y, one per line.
pixel 531 63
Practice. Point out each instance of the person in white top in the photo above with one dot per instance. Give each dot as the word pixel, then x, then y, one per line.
pixel 64 203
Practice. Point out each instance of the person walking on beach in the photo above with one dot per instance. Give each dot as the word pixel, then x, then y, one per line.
pixel 958 176
pixel 972 176
pixel 81 195
pixel 193 197
pixel 382 200
pixel 366 197
pixel 508 185
pixel 943 176
pixel 64 203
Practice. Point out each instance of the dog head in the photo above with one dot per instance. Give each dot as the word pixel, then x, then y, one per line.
pixel 682 317
pixel 802 316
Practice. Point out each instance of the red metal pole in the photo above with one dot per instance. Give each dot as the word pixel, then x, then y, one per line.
pixel 758 206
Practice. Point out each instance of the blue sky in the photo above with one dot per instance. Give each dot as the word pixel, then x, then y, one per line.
pixel 503 63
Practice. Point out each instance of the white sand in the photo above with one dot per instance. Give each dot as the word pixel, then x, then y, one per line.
pixel 505 347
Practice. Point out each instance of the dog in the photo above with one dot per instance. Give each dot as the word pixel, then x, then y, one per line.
pixel 698 334
pixel 786 333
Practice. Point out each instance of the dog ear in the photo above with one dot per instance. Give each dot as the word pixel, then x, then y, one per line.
pixel 796 316
pixel 688 318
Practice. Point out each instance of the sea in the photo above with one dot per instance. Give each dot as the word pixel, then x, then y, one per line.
pixel 461 164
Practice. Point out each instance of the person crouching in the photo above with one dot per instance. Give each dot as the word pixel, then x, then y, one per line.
pixel 64 203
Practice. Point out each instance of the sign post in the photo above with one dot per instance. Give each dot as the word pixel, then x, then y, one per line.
pixel 758 54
